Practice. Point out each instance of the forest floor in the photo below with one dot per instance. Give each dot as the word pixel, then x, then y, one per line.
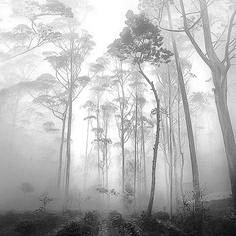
pixel 218 220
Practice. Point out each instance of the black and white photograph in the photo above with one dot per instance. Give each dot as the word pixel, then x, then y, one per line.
pixel 117 117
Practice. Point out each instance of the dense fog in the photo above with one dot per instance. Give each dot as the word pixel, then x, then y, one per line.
pixel 125 106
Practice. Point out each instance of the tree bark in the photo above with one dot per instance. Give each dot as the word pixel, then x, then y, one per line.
pixel 156 143
pixel 228 138
pixel 219 75
pixel 86 152
pixel 98 139
pixel 219 71
pixel 61 149
pixel 122 138
pixel 135 146
pixel 143 153
pixel 175 170
pixel 171 143
pixel 194 164
pixel 68 150
pixel 180 147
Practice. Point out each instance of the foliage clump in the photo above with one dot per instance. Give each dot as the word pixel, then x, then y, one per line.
pixel 26 227
pixel 37 223
pixel 88 226
pixel 140 41
pixel 8 219
pixel 76 229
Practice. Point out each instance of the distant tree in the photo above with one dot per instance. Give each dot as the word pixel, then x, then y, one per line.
pixel 219 55
pixel 107 109
pixel 160 9
pixel 100 85
pixel 74 48
pixel 24 38
pixel 120 80
pixel 54 98
pixel 90 107
pixel 141 43
pixel 138 87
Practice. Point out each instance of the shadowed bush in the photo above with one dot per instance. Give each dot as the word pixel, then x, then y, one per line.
pixel 91 218
pixel 77 229
pixel 88 226
pixel 39 223
pixel 10 218
pixel 26 227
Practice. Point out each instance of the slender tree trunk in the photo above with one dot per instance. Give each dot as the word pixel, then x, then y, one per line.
pixel 143 153
pixel 156 143
pixel 167 164
pixel 171 143
pixel 123 156
pixel 175 170
pixel 98 140
pixel 122 110
pixel 61 149
pixel 135 146
pixel 106 151
pixel 180 147
pixel 68 150
pixel 86 153
pixel 195 174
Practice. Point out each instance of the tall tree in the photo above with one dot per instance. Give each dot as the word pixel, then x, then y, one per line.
pixel 120 80
pixel 219 69
pixel 54 98
pixel 74 46
pixel 161 6
pixel 141 42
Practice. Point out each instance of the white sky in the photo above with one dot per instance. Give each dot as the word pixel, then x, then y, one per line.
pixel 106 20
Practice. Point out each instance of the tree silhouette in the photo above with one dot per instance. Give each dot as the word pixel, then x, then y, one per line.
pixel 141 42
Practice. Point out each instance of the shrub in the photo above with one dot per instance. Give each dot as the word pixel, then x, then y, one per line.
pixel 115 219
pixel 147 223
pixel 9 218
pixel 26 227
pixel 161 215
pixel 39 223
pixel 76 229
pixel 91 218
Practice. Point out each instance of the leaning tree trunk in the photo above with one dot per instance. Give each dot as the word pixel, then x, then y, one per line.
pixel 195 174
pixel 61 149
pixel 156 143
pixel 228 135
pixel 219 71
pixel 219 75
